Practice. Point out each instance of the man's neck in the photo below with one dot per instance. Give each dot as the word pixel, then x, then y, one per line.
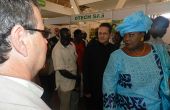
pixel 13 70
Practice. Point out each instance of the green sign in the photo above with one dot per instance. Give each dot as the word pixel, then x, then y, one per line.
pixel 41 2
pixel 89 17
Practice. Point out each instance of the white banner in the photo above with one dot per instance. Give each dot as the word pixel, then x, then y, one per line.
pixel 91 16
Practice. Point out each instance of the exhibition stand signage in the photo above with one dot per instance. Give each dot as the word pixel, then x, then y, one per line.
pixel 91 16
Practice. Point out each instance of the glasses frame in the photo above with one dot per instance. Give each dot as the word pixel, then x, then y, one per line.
pixel 45 33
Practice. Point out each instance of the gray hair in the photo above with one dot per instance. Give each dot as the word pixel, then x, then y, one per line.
pixel 14 12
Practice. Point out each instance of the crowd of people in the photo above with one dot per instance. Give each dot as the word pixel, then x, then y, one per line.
pixel 107 75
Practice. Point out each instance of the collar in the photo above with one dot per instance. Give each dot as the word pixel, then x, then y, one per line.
pixel 71 44
pixel 36 89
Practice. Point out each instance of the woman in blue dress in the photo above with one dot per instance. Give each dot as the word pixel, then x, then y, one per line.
pixel 136 76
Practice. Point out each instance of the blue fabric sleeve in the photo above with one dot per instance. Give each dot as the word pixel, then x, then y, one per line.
pixel 109 83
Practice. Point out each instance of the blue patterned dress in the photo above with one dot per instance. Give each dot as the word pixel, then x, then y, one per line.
pixel 132 83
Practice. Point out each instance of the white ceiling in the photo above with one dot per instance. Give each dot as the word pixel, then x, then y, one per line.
pixel 50 14
pixel 52 10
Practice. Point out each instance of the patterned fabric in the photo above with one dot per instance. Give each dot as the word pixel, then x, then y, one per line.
pixel 125 102
pixel 158 61
pixel 125 80
pixel 132 83
pixel 164 85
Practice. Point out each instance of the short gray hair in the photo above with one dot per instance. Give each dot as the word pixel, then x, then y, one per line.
pixel 14 12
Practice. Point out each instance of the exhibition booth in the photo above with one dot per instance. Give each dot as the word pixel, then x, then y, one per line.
pixel 89 21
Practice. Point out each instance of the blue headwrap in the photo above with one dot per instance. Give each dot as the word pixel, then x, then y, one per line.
pixel 137 22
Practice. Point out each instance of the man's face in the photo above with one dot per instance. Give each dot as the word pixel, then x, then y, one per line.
pixel 103 35
pixel 65 39
pixel 39 43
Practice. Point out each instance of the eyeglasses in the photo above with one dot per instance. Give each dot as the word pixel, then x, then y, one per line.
pixel 45 33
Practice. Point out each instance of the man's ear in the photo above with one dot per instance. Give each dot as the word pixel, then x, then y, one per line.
pixel 18 36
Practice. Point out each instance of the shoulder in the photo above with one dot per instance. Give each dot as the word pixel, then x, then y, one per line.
pixel 92 43
pixel 110 44
pixel 158 46
pixel 72 45
pixel 116 60
pixel 57 47
pixel 11 106
pixel 117 54
pixel 19 97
